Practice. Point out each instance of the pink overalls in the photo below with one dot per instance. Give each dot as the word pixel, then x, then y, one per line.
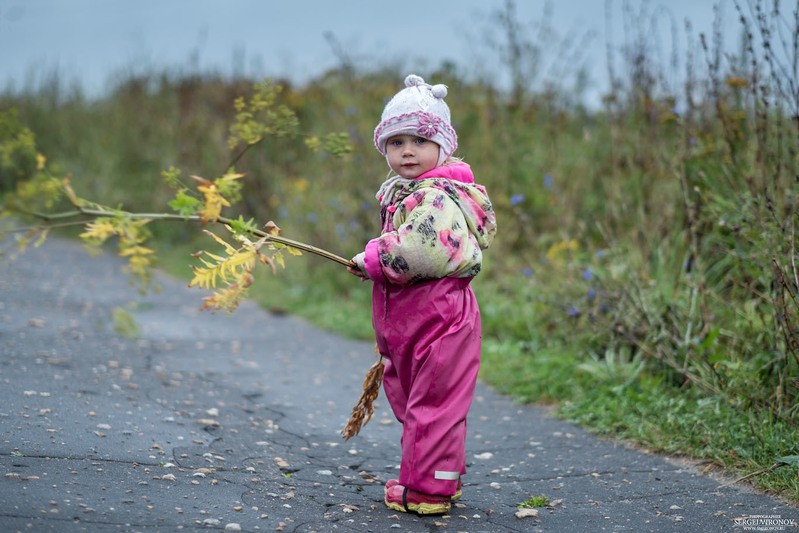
pixel 429 336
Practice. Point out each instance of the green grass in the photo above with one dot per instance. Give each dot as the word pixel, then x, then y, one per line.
pixel 534 502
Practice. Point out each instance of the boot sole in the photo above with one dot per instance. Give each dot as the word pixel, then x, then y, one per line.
pixel 421 508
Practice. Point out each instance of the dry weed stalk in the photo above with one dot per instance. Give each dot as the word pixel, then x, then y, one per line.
pixel 364 409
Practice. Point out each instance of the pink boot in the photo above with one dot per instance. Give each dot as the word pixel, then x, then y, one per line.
pixel 455 497
pixel 405 500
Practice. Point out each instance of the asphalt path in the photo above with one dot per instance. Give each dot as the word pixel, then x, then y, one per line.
pixel 208 421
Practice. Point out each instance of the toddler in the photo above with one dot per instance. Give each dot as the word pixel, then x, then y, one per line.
pixel 435 223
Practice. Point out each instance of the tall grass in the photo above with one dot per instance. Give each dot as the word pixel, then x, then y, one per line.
pixel 649 243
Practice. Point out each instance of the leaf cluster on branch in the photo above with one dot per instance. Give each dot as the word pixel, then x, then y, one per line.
pixel 229 272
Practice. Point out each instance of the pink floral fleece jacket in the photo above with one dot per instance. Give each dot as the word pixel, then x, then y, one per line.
pixel 433 227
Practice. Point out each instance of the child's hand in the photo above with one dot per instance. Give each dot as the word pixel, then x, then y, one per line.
pixel 357 272
pixel 356 269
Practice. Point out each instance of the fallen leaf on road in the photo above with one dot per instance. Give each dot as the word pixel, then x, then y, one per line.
pixel 554 503
pixel 527 513
pixel 367 477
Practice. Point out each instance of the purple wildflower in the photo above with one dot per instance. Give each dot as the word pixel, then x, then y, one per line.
pixel 548 181
pixel 516 199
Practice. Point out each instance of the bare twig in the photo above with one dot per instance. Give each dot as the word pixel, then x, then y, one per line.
pixel 756 473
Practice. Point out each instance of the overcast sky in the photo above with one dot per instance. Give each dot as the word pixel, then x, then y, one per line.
pixel 90 41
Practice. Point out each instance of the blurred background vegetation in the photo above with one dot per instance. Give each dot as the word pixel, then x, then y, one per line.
pixel 644 277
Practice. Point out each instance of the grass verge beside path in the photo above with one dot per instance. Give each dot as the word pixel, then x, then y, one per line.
pixel 620 401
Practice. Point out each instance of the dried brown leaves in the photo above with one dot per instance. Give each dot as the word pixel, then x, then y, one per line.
pixel 364 409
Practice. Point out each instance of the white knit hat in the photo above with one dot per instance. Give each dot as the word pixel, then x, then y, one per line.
pixel 419 109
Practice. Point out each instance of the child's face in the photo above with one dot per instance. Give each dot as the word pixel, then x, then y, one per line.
pixel 411 156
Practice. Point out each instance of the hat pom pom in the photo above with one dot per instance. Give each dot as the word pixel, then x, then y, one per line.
pixel 412 80
pixel 439 91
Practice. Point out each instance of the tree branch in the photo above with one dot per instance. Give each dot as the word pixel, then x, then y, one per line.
pixel 173 217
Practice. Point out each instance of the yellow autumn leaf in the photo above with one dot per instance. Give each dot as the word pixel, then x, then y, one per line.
pixel 227 299
pixel 213 203
pixel 230 176
pixel 231 266
pixel 228 269
pixel 205 278
pixel 228 248
pixel 209 264
pixel 136 250
pixel 139 264
pixel 99 230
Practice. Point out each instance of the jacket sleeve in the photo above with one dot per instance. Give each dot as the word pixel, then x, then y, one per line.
pixel 432 241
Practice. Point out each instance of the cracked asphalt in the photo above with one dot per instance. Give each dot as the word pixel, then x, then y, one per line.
pixel 215 422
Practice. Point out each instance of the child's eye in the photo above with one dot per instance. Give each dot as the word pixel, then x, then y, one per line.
pixel 420 140
pixel 395 142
